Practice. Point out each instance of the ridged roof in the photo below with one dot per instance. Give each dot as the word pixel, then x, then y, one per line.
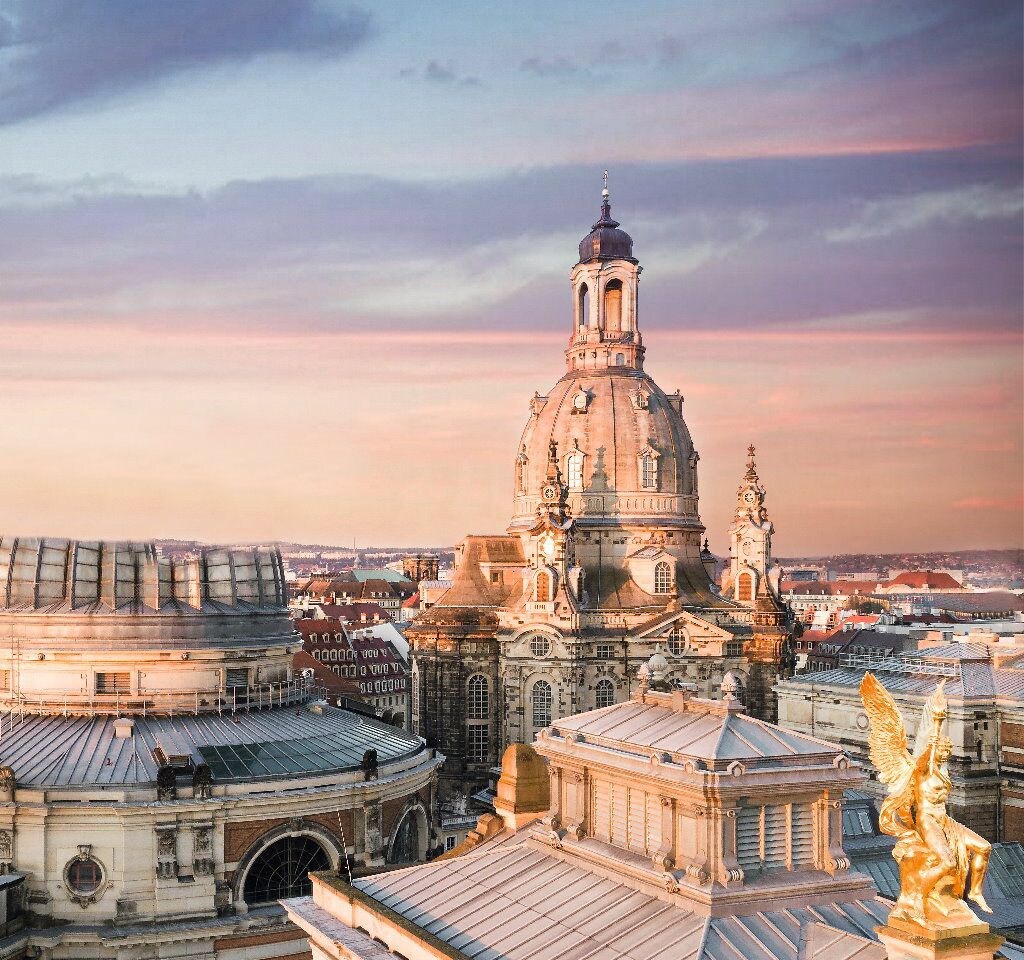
pixel 523 902
pixel 701 730
pixel 55 751
pixel 123 577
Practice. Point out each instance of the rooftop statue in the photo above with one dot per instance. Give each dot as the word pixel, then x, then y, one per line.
pixel 936 855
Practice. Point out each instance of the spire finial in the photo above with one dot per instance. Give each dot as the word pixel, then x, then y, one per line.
pixel 606 205
pixel 604 192
pixel 751 466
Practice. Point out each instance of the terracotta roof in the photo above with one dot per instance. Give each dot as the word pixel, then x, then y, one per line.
pixel 333 684
pixel 925 580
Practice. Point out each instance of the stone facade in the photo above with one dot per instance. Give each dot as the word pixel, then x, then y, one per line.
pixel 602 563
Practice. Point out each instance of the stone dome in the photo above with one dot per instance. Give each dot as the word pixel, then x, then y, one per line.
pixel 607 427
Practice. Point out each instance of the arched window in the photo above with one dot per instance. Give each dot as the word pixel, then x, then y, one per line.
pixel 478 695
pixel 605 693
pixel 663 577
pixel 543 587
pixel 521 462
pixel 540 699
pixel 414 679
pixel 584 306
pixel 649 472
pixel 540 646
pixel 574 470
pixel 745 587
pixel 282 870
pixel 613 305
pixel 677 641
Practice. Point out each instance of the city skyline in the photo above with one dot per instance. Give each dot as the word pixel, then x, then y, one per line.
pixel 296 275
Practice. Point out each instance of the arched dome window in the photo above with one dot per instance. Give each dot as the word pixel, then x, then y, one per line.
pixel 478 695
pixel 583 307
pixel 663 577
pixel 745 587
pixel 540 700
pixel 543 587
pixel 521 462
pixel 605 693
pixel 282 870
pixel 613 305
pixel 574 470
pixel 648 471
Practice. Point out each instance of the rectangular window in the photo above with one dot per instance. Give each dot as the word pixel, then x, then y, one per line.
pixel 605 651
pixel 450 842
pixel 478 742
pixel 113 683
pixel 237 677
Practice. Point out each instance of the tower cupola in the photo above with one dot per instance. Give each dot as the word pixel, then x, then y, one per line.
pixel 605 285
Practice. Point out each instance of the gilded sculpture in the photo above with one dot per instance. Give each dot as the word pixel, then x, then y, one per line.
pixel 940 860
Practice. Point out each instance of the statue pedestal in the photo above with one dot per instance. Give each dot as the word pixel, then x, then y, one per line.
pixel 911 942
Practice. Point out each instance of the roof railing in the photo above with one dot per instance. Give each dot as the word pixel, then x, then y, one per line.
pixel 226 700
pixel 890 664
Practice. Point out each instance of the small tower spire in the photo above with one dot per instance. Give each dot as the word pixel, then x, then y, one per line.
pixel 751 473
pixel 606 203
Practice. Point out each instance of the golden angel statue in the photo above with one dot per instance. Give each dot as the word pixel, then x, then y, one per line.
pixel 936 855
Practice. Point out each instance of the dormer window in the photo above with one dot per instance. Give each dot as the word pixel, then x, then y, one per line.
pixel 663 577
pixel 647 467
pixel 574 470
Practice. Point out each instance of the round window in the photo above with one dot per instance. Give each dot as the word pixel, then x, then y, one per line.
pixel 540 646
pixel 84 876
pixel 677 642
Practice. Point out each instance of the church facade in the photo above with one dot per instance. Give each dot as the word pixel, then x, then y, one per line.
pixel 602 563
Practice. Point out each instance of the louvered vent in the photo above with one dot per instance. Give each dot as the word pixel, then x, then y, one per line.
pixel 601 810
pixel 803 835
pixel 748 837
pixel 775 836
pixel 637 821
pixel 618 815
pixel 653 823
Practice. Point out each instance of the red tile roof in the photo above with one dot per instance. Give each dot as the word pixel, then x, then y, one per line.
pixel 925 580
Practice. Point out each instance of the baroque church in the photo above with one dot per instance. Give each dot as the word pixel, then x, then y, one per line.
pixel 601 566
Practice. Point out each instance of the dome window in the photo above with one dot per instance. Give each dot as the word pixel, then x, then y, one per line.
pixel 648 464
pixel 84 876
pixel 663 577
pixel 521 464
pixel 574 470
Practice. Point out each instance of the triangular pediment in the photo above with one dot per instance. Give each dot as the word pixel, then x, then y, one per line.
pixel 695 626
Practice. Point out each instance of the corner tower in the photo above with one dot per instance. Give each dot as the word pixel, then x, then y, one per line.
pixel 750 539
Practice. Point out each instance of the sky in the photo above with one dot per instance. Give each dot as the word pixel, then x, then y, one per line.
pixel 292 269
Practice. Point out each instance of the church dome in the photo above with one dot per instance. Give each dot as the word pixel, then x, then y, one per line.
pixel 622 448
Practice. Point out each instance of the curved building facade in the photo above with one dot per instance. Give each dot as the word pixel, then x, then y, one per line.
pixel 602 564
pixel 165 777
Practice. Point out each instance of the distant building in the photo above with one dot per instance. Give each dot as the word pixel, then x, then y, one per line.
pixel 389 594
pixel 359 656
pixel 421 566
pixel 985 690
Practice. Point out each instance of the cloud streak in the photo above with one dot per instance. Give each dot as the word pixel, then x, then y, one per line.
pixel 55 54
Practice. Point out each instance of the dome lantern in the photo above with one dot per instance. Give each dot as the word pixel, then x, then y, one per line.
pixel 605 334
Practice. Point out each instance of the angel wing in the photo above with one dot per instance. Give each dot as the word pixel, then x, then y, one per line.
pixel 887 741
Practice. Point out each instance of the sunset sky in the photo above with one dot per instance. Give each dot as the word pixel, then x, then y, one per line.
pixel 293 269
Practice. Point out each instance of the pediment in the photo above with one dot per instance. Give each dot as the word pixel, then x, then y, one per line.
pixel 696 626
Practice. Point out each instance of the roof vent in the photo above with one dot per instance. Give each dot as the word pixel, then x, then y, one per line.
pixel 124 727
